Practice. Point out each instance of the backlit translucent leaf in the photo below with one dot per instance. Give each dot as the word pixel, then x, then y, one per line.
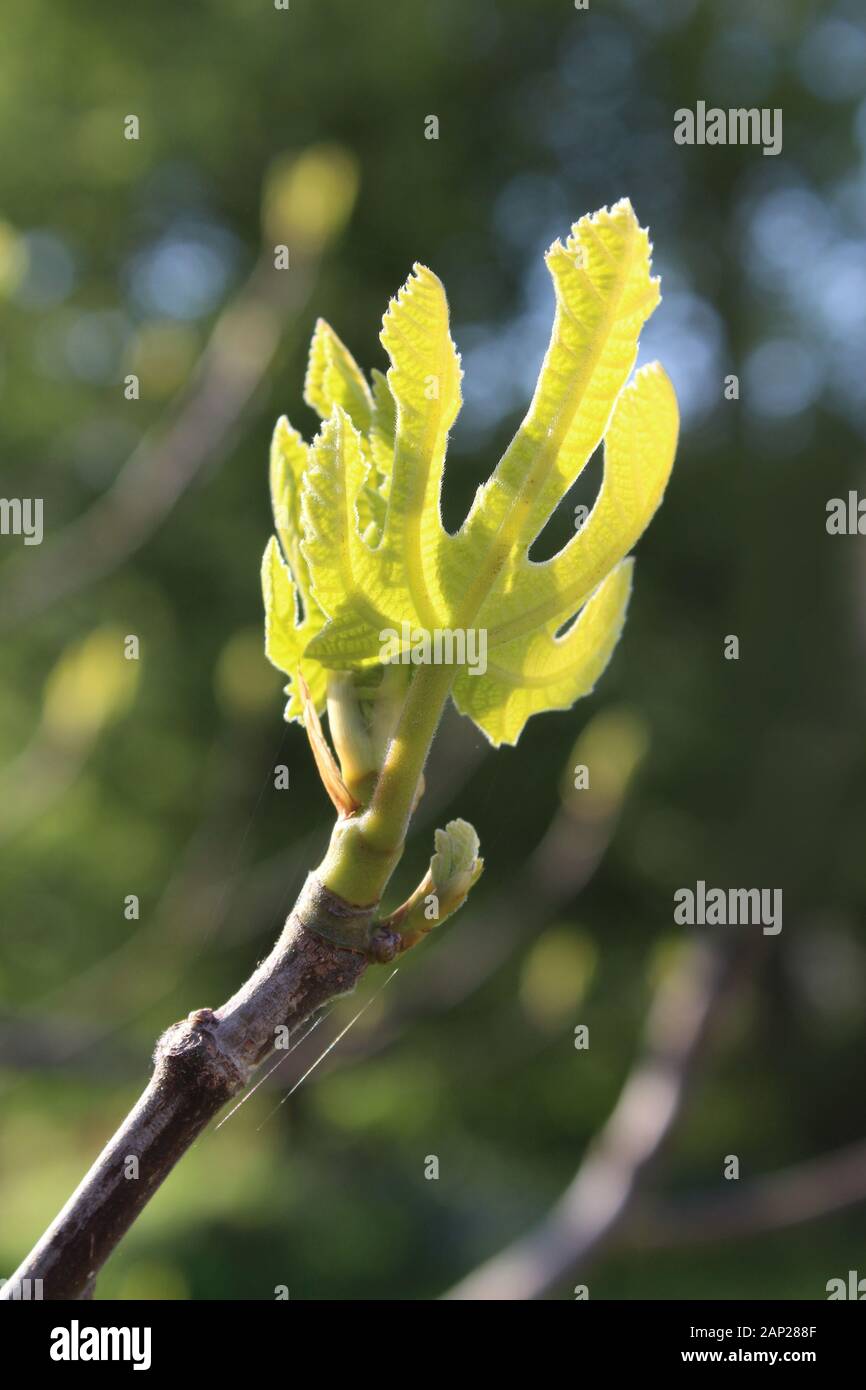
pixel 424 380
pixel 383 429
pixel 290 457
pixel 604 295
pixel 401 581
pixel 286 638
pixel 543 672
pixel 347 578
pixel 334 378
pixel 638 456
pixel 376 559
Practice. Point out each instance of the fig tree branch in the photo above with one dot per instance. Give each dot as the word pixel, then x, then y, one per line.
pixel 199 1065
pixel 205 1061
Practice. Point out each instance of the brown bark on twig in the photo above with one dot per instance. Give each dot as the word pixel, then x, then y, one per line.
pixel 199 1065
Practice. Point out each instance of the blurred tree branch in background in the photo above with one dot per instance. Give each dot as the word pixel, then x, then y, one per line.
pixel 307 202
pixel 597 1202
pixel 88 688
pixel 791 1197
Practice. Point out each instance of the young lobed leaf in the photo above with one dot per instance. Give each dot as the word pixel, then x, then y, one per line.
pixel 360 521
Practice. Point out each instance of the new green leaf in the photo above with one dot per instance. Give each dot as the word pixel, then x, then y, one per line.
pixel 367 549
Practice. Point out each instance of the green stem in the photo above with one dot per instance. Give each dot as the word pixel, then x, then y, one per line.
pixel 391 807
pixel 365 849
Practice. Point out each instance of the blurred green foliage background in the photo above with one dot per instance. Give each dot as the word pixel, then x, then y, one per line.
pixel 155 778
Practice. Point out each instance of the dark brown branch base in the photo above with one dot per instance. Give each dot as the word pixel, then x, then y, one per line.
pixel 199 1065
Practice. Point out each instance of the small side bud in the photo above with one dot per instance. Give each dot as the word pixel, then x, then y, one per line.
pixel 454 868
